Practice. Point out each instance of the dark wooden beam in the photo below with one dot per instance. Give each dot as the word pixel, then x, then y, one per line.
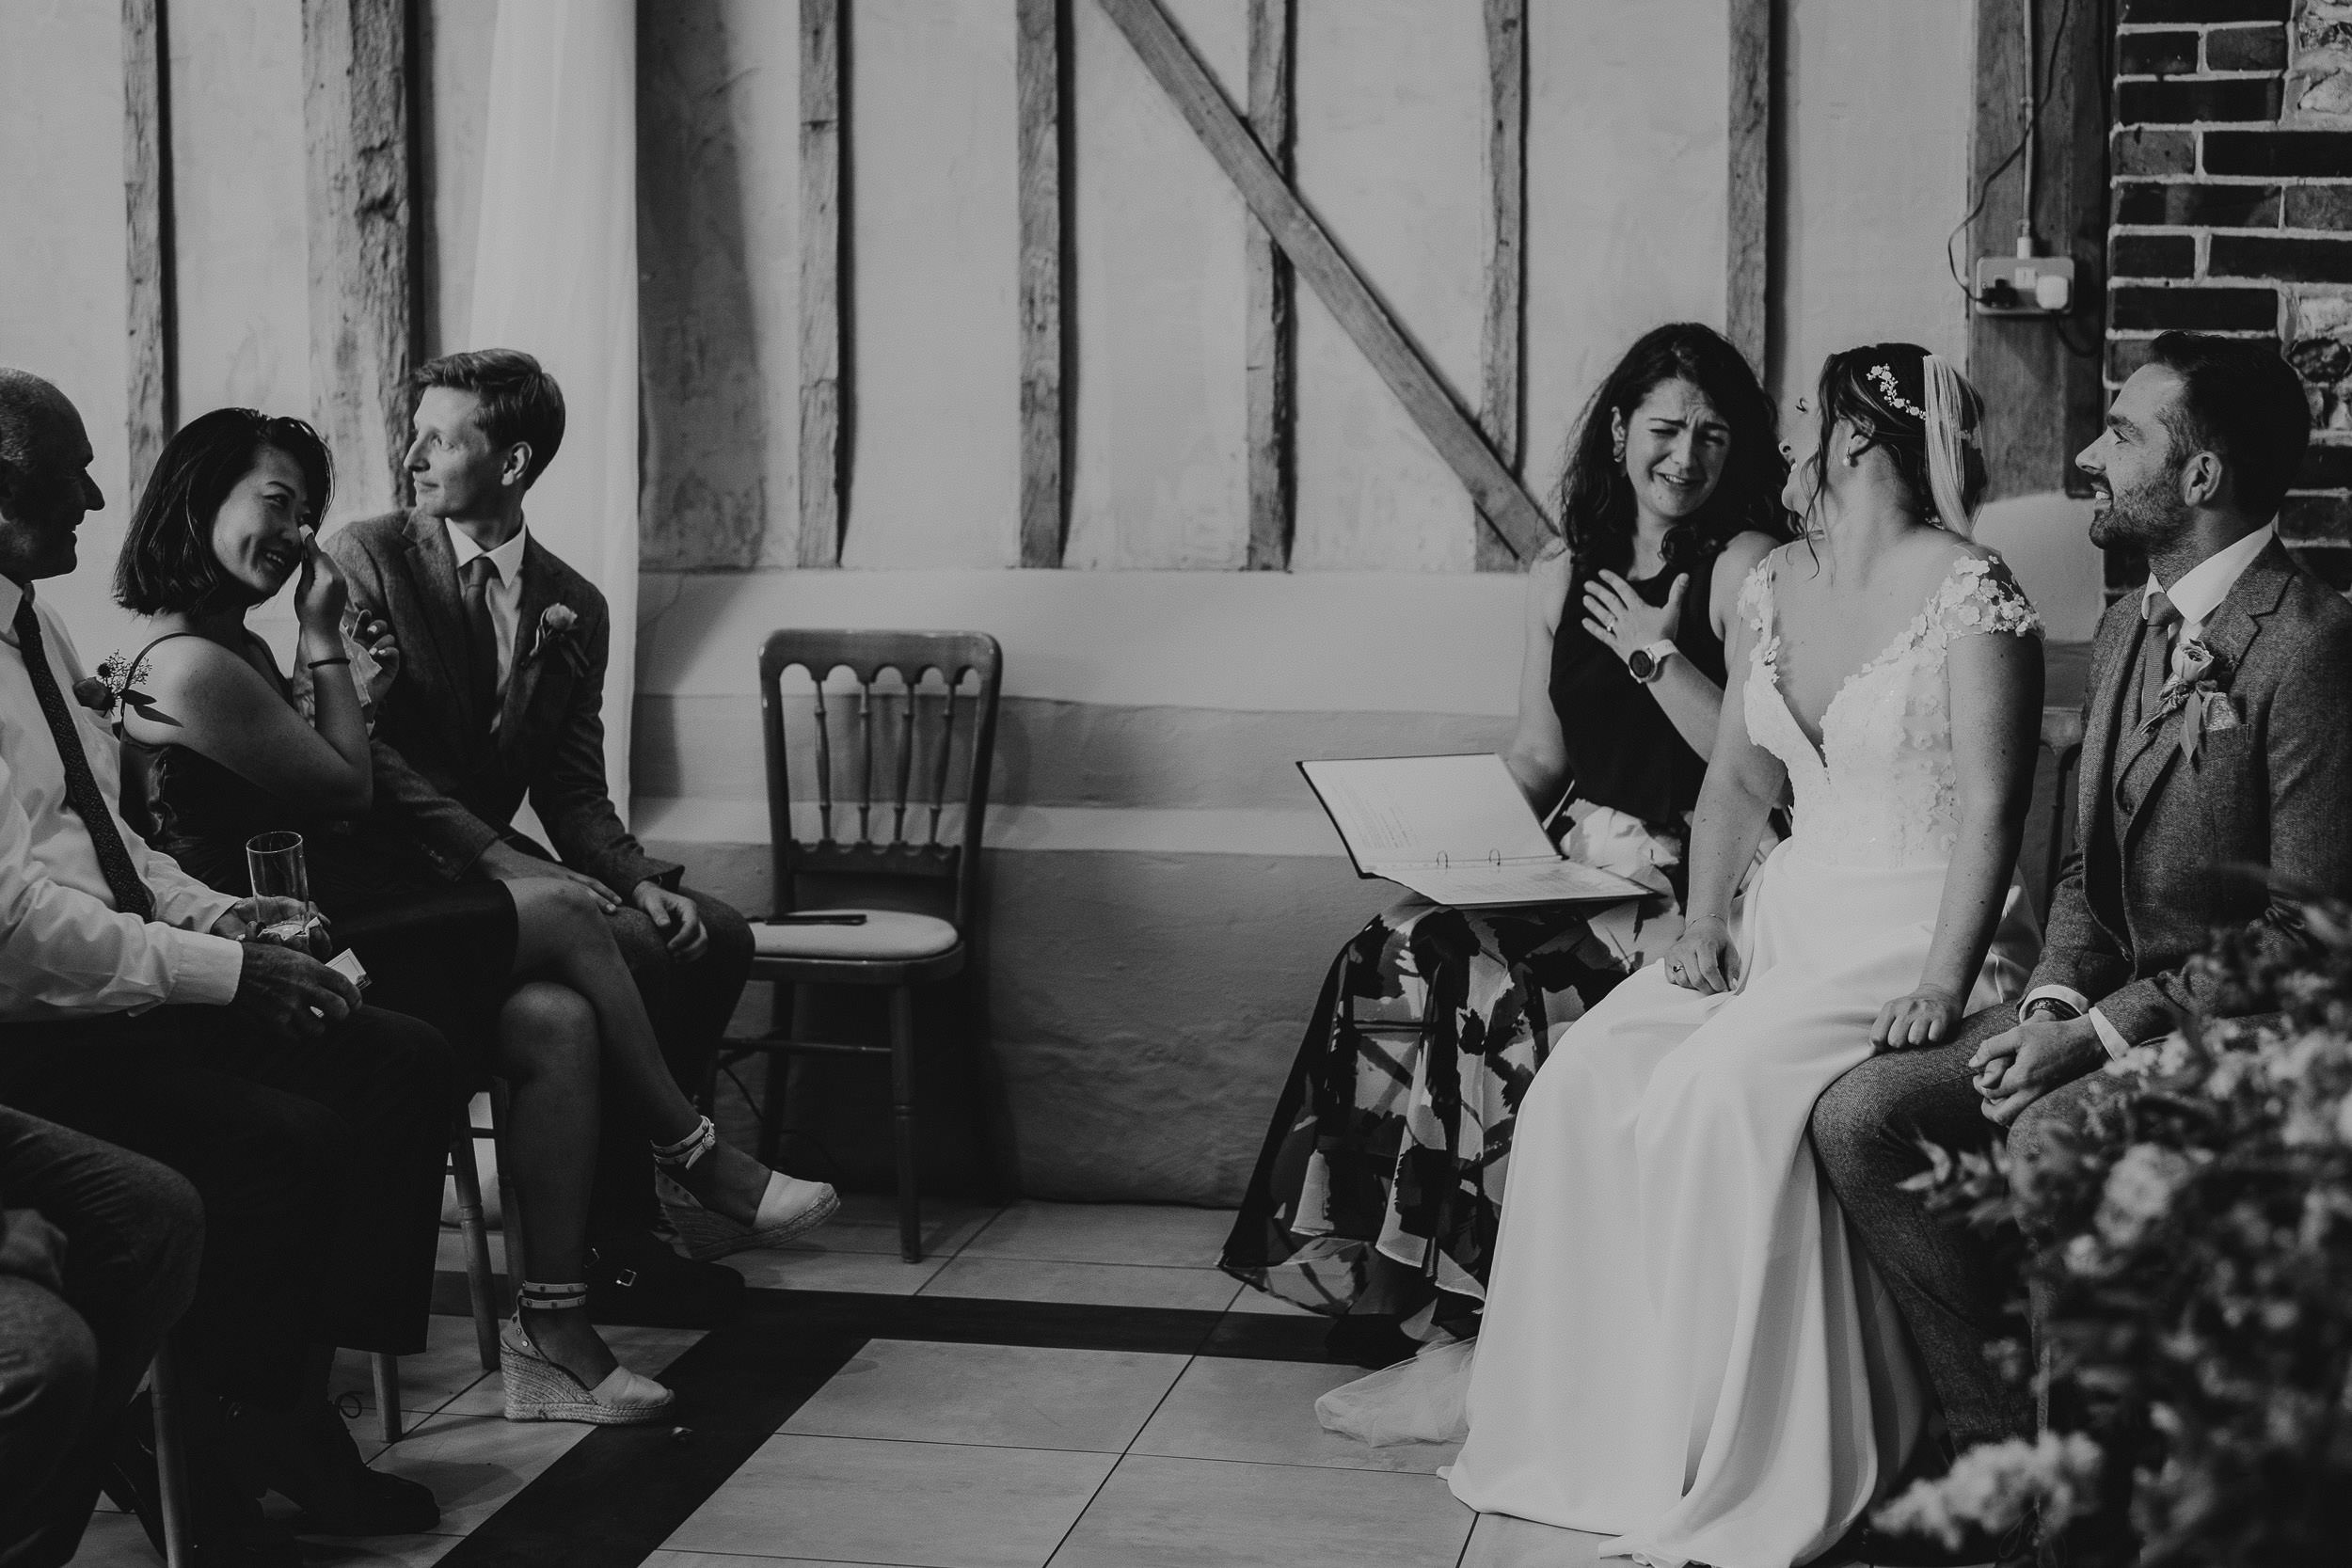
pixel 1428 402
pixel 1500 344
pixel 356 60
pixel 1271 334
pixel 820 282
pixel 1747 263
pixel 2041 378
pixel 147 201
pixel 1045 31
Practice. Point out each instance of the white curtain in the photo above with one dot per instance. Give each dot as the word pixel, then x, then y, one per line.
pixel 555 274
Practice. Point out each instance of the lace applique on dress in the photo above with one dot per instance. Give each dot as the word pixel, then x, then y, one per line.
pixel 1882 787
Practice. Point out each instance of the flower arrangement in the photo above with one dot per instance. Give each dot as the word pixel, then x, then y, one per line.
pixel 2197 1281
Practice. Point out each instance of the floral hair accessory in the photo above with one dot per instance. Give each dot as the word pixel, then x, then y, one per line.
pixel 1883 376
pixel 115 684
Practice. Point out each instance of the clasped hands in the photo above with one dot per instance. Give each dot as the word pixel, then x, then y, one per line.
pixel 2019 1066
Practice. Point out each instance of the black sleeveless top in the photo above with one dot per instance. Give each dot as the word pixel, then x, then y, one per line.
pixel 1623 751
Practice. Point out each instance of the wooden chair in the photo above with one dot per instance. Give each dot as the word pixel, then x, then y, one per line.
pixel 171 1464
pixel 479 1284
pixel 2063 737
pixel 869 752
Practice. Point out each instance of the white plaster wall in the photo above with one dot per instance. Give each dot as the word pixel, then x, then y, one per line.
pixel 1875 179
pixel 719 252
pixel 1159 476
pixel 456 110
pixel 61 255
pixel 1626 177
pixel 934 236
pixel 238 186
pixel 1391 119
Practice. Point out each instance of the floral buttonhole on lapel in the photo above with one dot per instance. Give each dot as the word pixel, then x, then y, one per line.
pixel 2195 693
pixel 556 624
pixel 116 685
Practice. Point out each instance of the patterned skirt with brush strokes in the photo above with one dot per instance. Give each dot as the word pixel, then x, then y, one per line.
pixel 1380 1185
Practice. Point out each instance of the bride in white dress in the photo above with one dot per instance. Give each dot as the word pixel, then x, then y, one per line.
pixel 1681 1349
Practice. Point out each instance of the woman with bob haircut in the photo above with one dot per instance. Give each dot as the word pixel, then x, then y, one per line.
pixel 1377 1197
pixel 524 973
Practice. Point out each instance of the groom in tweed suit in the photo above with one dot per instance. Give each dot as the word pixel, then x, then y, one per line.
pixel 2217 748
pixel 500 695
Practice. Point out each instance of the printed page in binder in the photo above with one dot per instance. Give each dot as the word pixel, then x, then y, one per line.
pixel 1453 828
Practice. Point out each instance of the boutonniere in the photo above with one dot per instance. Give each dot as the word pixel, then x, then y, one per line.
pixel 114 686
pixel 555 625
pixel 2194 691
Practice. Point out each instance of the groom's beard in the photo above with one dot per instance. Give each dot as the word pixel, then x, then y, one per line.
pixel 2145 517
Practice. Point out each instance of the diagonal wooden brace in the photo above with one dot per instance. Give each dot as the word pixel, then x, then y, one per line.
pixel 1501 499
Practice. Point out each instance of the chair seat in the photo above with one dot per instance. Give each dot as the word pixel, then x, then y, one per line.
pixel 887 935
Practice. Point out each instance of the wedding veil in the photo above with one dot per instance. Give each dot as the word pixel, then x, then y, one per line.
pixel 1951 431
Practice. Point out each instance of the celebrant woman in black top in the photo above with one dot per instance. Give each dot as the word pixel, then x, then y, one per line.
pixel 1376 1195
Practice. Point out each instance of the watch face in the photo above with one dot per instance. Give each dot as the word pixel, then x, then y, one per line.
pixel 1641 665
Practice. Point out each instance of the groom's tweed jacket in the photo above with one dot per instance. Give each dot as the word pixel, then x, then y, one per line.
pixel 2147 888
pixel 440 770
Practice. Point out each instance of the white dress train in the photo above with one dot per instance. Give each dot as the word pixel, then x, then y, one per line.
pixel 1681 1346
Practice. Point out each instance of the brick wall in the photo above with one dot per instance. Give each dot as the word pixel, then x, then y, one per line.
pixel 2231 168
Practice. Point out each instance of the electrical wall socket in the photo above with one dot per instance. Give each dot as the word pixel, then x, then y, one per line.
pixel 2025 285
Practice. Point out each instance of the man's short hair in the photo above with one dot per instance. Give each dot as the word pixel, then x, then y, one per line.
pixel 29 411
pixel 520 401
pixel 2241 401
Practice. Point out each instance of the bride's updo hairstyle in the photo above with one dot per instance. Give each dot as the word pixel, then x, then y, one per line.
pixel 1913 406
pixel 167 564
pixel 1595 499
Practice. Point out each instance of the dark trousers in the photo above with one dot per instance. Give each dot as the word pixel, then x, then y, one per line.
pixel 1951 1288
pixel 690 1004
pixel 70 1362
pixel 318 1165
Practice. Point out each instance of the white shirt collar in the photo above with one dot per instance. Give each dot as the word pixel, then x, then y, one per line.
pixel 12 593
pixel 2203 586
pixel 506 561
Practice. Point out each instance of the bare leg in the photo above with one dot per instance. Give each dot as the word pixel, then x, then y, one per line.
pixel 562 936
pixel 547 1051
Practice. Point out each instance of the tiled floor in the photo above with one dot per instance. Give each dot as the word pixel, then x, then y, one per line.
pixel 1010 1436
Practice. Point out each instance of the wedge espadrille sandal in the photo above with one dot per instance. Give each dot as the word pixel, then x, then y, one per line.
pixel 787 1206
pixel 537 1389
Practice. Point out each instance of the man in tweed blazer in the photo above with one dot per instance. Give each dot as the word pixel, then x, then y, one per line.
pixel 499 697
pixel 2216 779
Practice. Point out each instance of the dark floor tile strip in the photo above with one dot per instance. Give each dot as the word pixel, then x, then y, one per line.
pixel 620 1492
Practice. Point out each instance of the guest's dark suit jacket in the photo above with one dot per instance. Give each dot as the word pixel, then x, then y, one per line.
pixel 2146 888
pixel 455 784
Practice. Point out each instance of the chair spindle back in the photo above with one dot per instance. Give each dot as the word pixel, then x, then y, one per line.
pixel 952 672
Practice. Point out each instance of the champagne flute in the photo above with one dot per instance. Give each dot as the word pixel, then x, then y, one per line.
pixel 281 881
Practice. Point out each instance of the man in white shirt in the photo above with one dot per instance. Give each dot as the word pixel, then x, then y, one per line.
pixel 135 1007
pixel 2217 764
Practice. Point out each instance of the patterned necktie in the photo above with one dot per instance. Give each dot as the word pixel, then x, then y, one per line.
pixel 482 638
pixel 2156 651
pixel 81 785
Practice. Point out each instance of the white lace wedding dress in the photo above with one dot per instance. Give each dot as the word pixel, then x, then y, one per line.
pixel 1681 1348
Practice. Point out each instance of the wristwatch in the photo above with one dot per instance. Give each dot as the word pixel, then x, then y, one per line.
pixel 2055 1008
pixel 1645 662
